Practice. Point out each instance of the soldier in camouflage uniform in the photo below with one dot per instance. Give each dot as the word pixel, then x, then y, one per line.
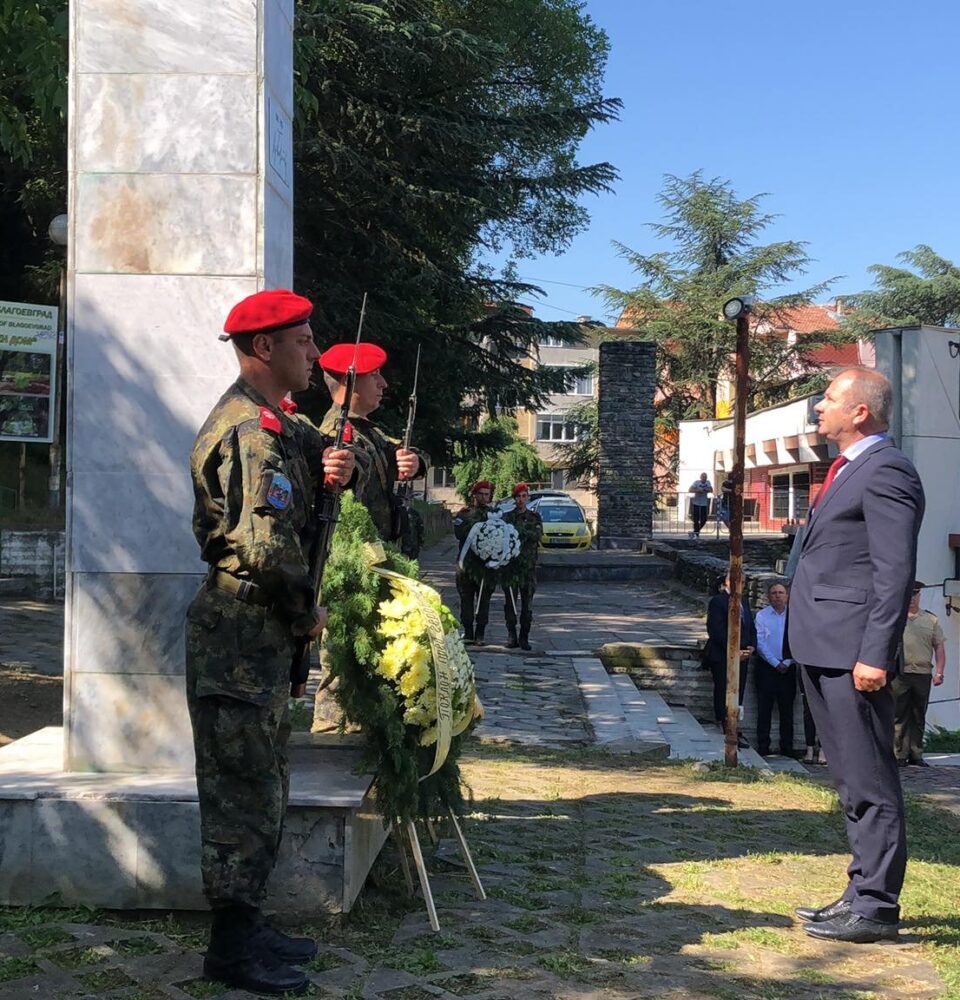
pixel 388 459
pixel 522 583
pixel 468 589
pixel 382 457
pixel 256 467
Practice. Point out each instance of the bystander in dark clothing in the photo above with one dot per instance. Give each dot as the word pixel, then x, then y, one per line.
pixel 715 650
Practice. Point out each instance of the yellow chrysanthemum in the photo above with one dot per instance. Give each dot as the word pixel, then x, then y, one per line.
pixel 396 655
pixel 414 679
pixel 392 628
pixel 401 606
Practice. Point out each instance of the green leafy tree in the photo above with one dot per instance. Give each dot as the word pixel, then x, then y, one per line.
pixel 929 293
pixel 503 457
pixel 428 134
pixel 33 97
pixel 715 252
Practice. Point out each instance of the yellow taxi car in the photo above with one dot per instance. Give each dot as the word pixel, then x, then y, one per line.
pixel 564 523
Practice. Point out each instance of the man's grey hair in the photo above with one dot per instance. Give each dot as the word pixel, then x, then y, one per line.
pixel 873 389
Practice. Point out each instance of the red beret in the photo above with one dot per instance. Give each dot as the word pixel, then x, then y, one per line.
pixel 520 488
pixel 483 484
pixel 268 311
pixel 336 359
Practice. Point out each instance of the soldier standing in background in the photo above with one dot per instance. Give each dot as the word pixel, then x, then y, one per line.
pixel 520 589
pixel 468 589
pixel 388 460
pixel 256 468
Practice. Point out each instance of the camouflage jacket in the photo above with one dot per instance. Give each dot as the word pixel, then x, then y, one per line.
pixel 529 526
pixel 464 519
pixel 377 494
pixel 255 473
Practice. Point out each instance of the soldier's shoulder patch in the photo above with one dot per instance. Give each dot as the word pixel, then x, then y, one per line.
pixel 276 491
pixel 269 421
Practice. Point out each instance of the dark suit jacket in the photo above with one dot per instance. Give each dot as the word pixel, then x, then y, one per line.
pixel 715 649
pixel 850 593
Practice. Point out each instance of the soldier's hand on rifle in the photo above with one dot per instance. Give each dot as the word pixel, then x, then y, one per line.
pixel 321 623
pixel 338 466
pixel 407 463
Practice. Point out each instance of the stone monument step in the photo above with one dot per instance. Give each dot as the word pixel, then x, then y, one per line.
pixel 132 841
pixel 602 565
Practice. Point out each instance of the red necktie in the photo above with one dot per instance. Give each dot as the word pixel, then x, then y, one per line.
pixel 835 466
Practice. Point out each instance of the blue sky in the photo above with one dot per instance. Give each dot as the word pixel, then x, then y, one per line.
pixel 845 113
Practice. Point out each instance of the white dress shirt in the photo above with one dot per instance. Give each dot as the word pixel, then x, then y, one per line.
pixel 770 625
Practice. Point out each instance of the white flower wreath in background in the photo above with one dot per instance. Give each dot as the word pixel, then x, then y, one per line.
pixel 493 541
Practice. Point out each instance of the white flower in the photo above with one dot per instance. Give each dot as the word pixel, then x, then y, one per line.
pixel 494 541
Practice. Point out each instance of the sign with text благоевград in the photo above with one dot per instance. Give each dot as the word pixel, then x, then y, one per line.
pixel 28 355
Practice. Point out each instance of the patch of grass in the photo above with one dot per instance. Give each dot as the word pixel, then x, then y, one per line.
pixel 15 968
pixel 44 937
pixel 78 957
pixel 409 993
pixel 814 976
pixel 133 947
pixel 416 961
pixel 465 983
pixel 523 948
pixel 202 989
pixel 324 962
pixel 526 924
pixel 14 917
pixel 519 898
pixel 564 963
pixel 486 934
pixel 624 957
pixel 105 980
pixel 579 916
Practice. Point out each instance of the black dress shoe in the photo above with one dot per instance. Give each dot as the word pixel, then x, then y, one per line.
pixel 918 763
pixel 294 950
pixel 742 743
pixel 853 928
pixel 827 912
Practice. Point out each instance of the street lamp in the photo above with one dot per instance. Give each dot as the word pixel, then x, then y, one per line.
pixel 58 231
pixel 736 310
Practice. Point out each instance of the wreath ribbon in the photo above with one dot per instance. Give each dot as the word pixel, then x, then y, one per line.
pixel 443 671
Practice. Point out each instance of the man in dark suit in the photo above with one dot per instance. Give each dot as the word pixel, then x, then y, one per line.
pixel 715 650
pixel 846 614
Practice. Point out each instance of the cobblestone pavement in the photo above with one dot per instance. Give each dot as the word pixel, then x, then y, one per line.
pixel 608 879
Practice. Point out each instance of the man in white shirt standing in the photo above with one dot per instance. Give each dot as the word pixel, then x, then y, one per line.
pixel 775 674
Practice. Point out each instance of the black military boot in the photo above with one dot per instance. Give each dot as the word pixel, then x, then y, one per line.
pixel 525 637
pixel 468 631
pixel 512 642
pixel 235 958
pixel 478 634
pixel 295 950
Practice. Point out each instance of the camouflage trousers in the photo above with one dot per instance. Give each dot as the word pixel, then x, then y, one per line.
pixel 474 600
pixel 238 661
pixel 519 598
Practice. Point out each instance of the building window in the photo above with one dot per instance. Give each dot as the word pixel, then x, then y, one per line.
pixel 583 386
pixel 558 479
pixel 789 495
pixel 555 427
pixel 442 478
pixel 547 341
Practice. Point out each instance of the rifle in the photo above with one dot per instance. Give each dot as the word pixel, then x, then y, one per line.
pixel 403 490
pixel 326 513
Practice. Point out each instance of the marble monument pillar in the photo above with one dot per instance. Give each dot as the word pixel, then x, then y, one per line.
pixel 180 191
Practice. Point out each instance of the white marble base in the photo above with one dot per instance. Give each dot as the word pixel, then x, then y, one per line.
pixel 133 841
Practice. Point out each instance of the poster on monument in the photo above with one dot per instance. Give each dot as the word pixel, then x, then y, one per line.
pixel 28 355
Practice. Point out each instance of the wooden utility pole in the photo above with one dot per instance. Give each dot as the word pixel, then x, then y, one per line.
pixel 734 664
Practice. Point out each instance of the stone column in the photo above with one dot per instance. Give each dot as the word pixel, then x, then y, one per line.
pixel 180 175
pixel 626 385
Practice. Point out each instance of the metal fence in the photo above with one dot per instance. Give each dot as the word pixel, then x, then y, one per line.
pixel 763 513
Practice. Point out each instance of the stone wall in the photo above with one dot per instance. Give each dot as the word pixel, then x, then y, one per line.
pixel 32 562
pixel 626 385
